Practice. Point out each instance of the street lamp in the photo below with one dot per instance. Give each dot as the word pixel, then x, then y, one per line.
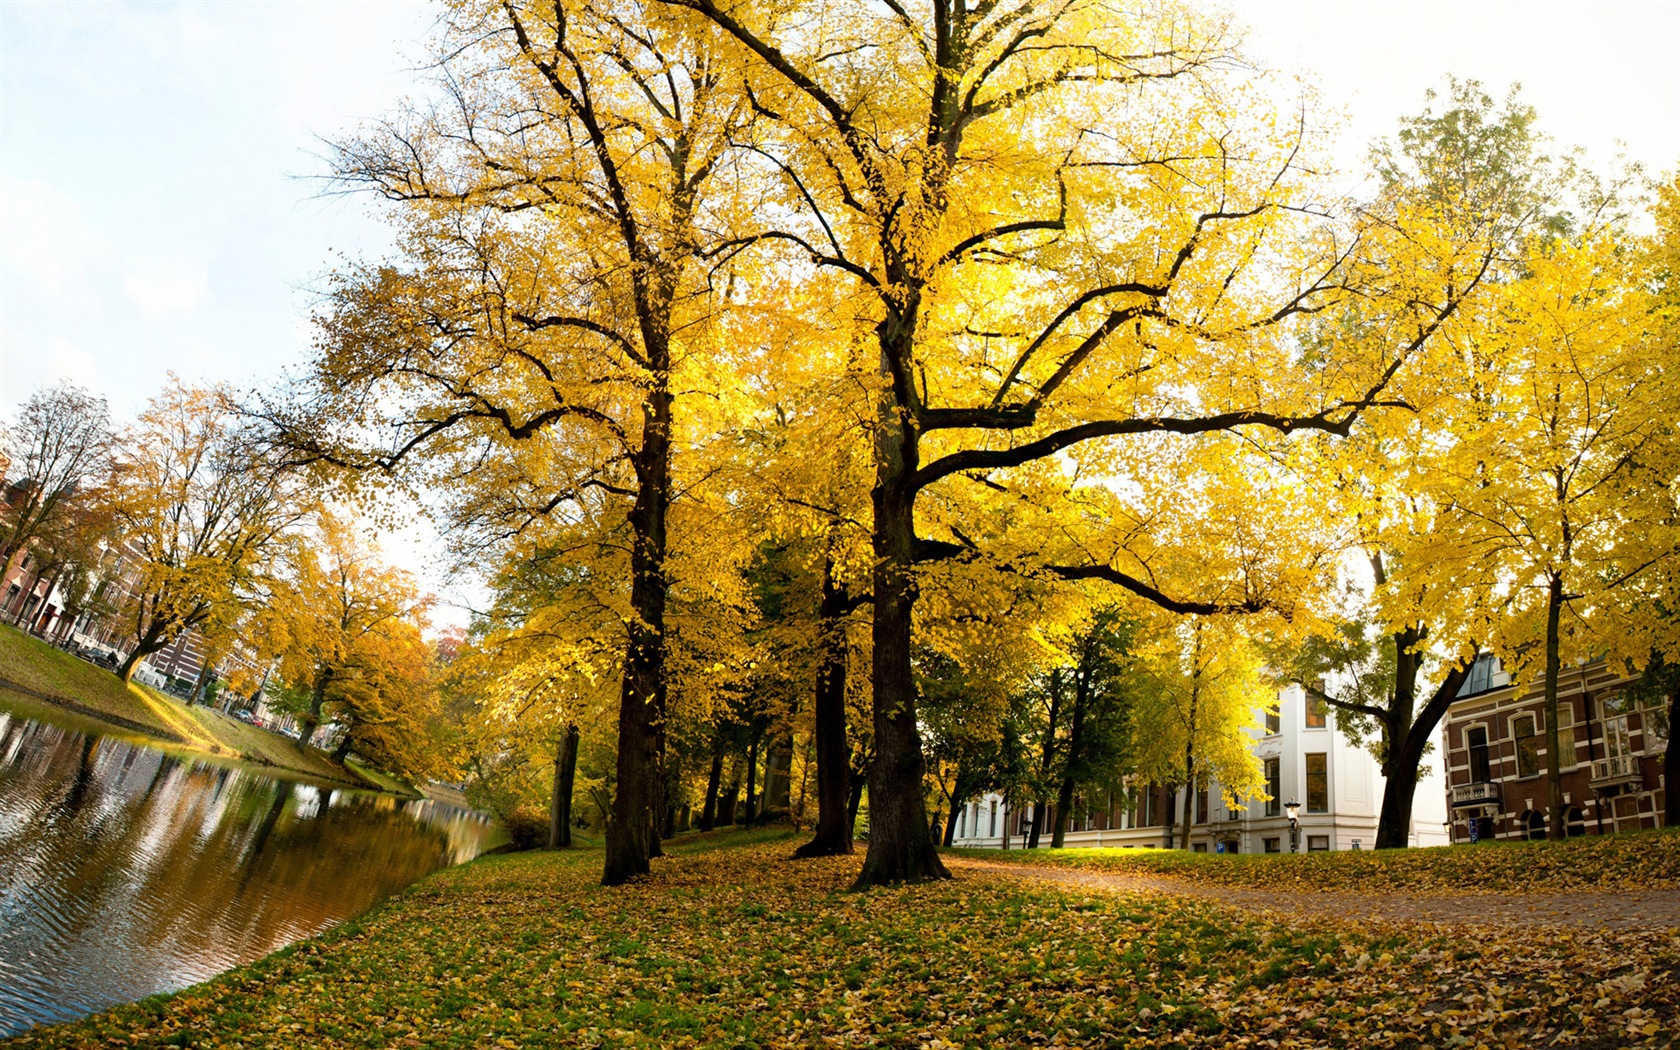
pixel 1293 811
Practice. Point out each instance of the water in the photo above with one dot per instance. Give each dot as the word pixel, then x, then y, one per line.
pixel 126 871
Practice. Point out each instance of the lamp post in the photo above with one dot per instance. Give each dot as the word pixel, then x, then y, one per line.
pixel 1293 810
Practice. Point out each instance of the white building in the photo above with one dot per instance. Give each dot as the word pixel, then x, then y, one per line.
pixel 1339 787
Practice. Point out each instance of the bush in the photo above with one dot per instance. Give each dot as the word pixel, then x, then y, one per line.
pixel 527 829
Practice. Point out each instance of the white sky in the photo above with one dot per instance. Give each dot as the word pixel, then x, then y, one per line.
pixel 156 212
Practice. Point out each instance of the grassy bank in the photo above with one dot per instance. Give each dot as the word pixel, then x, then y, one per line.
pixel 1646 859
pixel 732 944
pixel 94 696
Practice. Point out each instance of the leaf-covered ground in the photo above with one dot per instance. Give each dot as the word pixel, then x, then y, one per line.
pixel 743 947
pixel 1645 860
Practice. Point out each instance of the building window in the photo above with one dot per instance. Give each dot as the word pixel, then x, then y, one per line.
pixel 1318 843
pixel 1566 746
pixel 1528 746
pixel 1475 738
pixel 1273 845
pixel 1274 724
pixel 1274 787
pixel 1318 783
pixel 993 829
pixel 1198 847
pixel 1316 711
pixel 1201 805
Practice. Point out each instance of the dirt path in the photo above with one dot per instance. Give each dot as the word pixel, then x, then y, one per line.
pixel 1580 909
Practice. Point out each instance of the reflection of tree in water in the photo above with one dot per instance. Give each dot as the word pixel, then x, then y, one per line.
pixel 270 818
pixel 74 799
pixel 130 868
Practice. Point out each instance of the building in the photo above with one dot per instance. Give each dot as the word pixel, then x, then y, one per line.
pixel 1611 746
pixel 1338 784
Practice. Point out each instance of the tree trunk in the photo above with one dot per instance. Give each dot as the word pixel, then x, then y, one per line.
pixel 145 645
pixel 860 781
pixel 951 826
pixel 751 812
pixel 1671 764
pixel 1190 740
pixel 834 831
pixel 714 781
pixel 901 849
pixel 342 751
pixel 1046 758
pixel 565 777
pixel 317 701
pixel 1064 806
pixel 1554 770
pixel 641 715
pixel 1405 752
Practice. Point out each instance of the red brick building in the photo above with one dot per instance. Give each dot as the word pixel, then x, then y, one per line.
pixel 1611 746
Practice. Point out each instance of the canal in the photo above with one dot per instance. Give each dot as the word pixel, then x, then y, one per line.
pixel 126 871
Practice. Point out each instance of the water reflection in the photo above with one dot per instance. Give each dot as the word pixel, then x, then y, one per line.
pixel 125 871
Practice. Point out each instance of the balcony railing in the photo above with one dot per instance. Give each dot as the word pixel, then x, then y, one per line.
pixel 1475 794
pixel 1618 769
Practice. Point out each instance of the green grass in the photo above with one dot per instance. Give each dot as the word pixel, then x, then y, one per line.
pixel 730 943
pixel 86 693
pixel 1643 859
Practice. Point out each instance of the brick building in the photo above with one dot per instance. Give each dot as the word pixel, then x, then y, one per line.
pixel 1611 746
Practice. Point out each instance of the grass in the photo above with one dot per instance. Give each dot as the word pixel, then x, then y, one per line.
pixel 55 681
pixel 1648 859
pixel 730 943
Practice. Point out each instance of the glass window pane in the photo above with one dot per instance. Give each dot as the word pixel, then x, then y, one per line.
pixel 1318 783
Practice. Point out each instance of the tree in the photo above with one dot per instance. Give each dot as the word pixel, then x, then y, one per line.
pixel 345 630
pixel 1567 486
pixel 553 302
pixel 1062 227
pixel 202 509
pixel 1192 724
pixel 61 448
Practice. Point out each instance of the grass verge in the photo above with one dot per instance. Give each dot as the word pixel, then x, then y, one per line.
pixel 739 946
pixel 1649 859
pixel 90 694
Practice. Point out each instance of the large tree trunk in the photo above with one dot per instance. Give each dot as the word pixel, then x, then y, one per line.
pixel 631 831
pixel 834 832
pixel 901 848
pixel 951 826
pixel 145 645
pixel 714 781
pixel 1406 747
pixel 565 778
pixel 1555 829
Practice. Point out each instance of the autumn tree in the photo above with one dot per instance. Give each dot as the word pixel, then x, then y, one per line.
pixel 1568 484
pixel 1392 662
pixel 1062 227
pixel 59 457
pixel 203 509
pixel 345 630
pixel 559 207
pixel 1192 721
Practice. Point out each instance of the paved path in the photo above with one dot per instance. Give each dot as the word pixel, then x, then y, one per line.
pixel 1581 909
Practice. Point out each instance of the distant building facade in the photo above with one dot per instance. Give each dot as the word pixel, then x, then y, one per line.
pixel 1338 784
pixel 1611 746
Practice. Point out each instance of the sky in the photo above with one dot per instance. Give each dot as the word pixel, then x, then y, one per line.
pixel 161 206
